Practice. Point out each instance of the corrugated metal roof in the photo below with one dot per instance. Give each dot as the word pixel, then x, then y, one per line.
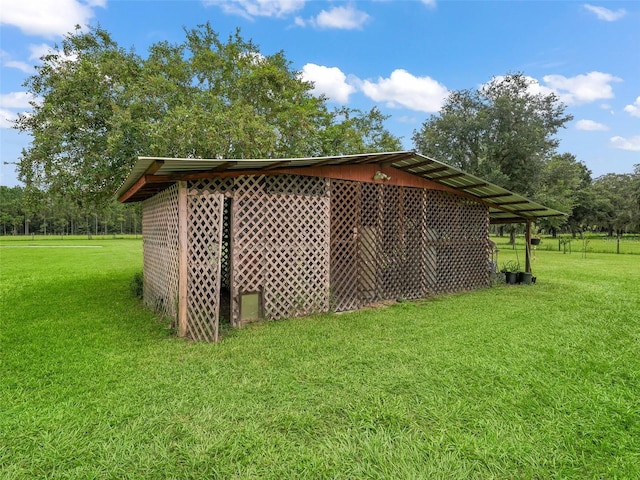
pixel 153 174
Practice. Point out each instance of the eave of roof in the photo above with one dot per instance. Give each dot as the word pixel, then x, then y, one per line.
pixel 151 175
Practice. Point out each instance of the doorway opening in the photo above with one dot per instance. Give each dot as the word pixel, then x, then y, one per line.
pixel 226 266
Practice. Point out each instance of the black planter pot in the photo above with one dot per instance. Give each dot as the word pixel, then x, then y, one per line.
pixel 525 278
pixel 511 278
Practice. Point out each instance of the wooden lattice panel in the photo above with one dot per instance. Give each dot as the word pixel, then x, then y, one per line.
pixel 390 242
pixel 295 239
pixel 371 257
pixel 225 260
pixel 392 251
pixel 212 185
pixel 280 237
pixel 411 275
pixel 204 252
pixel 225 186
pixel 160 251
pixel 459 235
pixel 345 212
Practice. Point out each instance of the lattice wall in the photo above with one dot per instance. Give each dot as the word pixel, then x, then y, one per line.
pixel 459 235
pixel 346 209
pixel 160 251
pixel 278 227
pixel 390 242
pixel 280 237
pixel 205 220
pixel 307 244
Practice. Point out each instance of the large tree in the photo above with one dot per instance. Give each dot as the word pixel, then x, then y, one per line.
pixel 566 186
pixel 79 90
pixel 616 208
pixel 503 131
pixel 99 106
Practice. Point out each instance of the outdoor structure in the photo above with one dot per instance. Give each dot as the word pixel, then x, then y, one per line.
pixel 244 240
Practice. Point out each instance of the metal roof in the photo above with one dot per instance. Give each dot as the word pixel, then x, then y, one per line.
pixel 153 174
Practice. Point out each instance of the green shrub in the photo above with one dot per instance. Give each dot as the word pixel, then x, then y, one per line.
pixel 136 285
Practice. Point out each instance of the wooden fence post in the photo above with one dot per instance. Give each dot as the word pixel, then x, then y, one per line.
pixel 527 247
pixel 182 258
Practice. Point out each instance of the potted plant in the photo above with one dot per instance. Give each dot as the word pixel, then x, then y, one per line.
pixel 534 239
pixel 525 278
pixel 510 269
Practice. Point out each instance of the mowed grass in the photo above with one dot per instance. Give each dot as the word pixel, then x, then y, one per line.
pixel 537 381
pixel 588 244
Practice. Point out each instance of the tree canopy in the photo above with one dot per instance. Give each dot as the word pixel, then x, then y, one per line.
pixel 99 106
pixel 503 131
pixel 617 207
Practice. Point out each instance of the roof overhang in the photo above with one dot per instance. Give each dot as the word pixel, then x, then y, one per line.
pixel 151 175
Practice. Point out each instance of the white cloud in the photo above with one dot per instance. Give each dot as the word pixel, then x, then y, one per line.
pixel 429 3
pixel 48 18
pixel 590 126
pixel 622 143
pixel 343 18
pixel 15 100
pixel 329 81
pixel 7 117
pixel 9 103
pixel 22 66
pixel 258 8
pixel 606 14
pixel 634 108
pixel 39 51
pixel 582 88
pixel 402 89
pixel 406 119
pixel 6 60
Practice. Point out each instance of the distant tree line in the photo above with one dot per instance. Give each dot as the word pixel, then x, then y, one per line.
pixel 59 216
pixel 609 204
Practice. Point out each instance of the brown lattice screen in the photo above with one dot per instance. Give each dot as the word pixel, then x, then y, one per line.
pixel 306 244
pixel 274 241
pixel 205 220
pixel 390 242
pixel 160 251
pixel 280 238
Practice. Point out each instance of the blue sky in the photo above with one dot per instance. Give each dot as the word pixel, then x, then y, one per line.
pixel 401 56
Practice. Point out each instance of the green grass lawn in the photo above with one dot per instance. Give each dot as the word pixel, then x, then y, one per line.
pixel 538 381
pixel 588 244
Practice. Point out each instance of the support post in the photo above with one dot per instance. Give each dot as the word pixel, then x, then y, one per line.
pixel 527 247
pixel 182 259
pixel 216 327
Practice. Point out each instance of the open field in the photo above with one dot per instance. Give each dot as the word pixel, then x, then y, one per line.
pixel 589 243
pixel 538 381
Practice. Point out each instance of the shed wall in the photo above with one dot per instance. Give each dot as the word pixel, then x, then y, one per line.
pixel 308 244
pixel 160 251
pixel 279 241
pixel 390 242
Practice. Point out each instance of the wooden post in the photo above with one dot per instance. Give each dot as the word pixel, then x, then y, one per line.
pixel 216 327
pixel 182 258
pixel 527 247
